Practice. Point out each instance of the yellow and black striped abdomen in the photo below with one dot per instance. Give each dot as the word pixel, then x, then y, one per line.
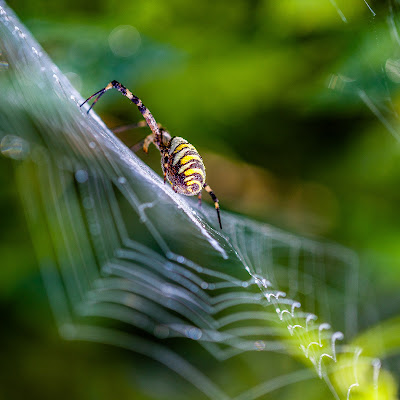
pixel 186 170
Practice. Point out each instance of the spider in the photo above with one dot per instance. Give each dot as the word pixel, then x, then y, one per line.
pixel 181 163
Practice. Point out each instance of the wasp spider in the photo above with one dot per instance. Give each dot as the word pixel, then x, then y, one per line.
pixel 182 165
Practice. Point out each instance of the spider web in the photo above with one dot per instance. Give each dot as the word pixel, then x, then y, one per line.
pixel 380 65
pixel 129 263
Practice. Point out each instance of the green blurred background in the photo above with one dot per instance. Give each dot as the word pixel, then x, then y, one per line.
pixel 257 86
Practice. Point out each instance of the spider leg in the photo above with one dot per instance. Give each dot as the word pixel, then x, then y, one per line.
pixel 123 128
pixel 98 94
pixel 138 146
pixel 199 197
pixel 140 124
pixel 165 136
pixel 151 122
pixel 166 166
pixel 146 143
pixel 164 139
pixel 215 200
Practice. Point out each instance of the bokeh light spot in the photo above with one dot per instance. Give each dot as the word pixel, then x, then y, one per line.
pixel 193 333
pixel 81 176
pixel 14 147
pixel 259 345
pixel 124 40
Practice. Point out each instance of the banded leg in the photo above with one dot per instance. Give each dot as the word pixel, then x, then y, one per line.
pixel 151 122
pixel 215 200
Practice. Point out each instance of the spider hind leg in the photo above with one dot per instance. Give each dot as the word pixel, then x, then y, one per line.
pixel 208 189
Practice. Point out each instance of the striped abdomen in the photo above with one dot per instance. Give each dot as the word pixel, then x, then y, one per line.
pixel 186 170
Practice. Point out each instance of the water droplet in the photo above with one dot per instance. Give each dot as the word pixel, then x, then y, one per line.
pixel 266 283
pixel 122 180
pixel 94 229
pixel 169 267
pixel 14 147
pixel 167 289
pixel 92 145
pixel 87 203
pixel 204 285
pixel 130 299
pixel 3 65
pixel 259 345
pixel 338 82
pixel 161 331
pixel 193 333
pixel 81 176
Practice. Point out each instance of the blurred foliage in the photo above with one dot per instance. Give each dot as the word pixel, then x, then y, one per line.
pixel 246 81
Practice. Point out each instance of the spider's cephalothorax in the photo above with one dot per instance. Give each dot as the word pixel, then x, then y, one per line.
pixel 181 163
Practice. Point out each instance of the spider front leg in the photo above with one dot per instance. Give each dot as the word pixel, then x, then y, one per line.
pixel 215 200
pixel 151 122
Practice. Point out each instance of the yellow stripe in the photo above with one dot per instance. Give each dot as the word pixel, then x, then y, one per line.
pixel 192 171
pixel 186 166
pixel 186 159
pixel 189 178
pixel 177 156
pixel 175 143
pixel 181 146
pixel 192 183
